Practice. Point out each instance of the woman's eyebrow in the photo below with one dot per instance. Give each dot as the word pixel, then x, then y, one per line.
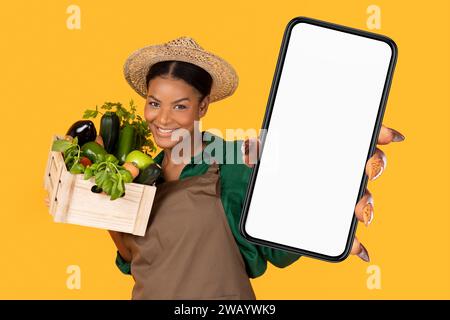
pixel 179 100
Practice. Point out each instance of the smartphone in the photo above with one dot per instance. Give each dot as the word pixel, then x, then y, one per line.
pixel 321 125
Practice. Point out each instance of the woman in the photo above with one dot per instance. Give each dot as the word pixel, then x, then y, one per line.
pixel 192 248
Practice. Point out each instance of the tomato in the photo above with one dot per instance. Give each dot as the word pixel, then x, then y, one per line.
pixel 85 161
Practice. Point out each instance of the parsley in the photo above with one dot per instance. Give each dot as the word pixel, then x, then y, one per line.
pixel 128 117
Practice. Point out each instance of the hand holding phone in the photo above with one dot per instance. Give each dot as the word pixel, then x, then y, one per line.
pixel 320 130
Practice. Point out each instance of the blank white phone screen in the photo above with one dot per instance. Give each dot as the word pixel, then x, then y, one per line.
pixel 318 139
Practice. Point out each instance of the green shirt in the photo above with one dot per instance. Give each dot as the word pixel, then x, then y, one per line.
pixel 234 177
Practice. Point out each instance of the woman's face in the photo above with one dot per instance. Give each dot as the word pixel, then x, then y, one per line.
pixel 172 104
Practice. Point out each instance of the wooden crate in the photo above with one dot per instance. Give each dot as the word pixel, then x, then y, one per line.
pixel 72 201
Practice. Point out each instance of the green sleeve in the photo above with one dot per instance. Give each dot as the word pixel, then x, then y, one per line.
pixel 234 183
pixel 124 267
pixel 278 258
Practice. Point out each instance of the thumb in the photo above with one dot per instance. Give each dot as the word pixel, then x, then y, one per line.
pixel 251 151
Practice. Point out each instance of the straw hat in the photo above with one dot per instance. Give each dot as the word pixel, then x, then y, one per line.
pixel 225 78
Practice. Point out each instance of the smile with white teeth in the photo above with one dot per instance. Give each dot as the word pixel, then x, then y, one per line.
pixel 166 131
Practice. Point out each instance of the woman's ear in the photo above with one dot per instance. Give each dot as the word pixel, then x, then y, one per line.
pixel 203 107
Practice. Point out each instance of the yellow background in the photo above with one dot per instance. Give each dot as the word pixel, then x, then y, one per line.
pixel 51 74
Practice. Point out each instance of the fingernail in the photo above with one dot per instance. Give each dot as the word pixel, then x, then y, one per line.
pixel 397 136
pixel 377 164
pixel 367 211
pixel 364 255
pixel 244 147
pixel 251 151
pixel 376 169
pixel 245 154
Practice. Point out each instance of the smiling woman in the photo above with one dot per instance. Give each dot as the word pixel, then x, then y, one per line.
pixel 178 95
pixel 192 248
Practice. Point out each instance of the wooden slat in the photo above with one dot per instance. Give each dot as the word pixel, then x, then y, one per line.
pixel 144 210
pixel 54 195
pixel 64 196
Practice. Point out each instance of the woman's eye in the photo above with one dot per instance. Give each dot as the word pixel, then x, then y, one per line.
pixel 153 104
pixel 180 107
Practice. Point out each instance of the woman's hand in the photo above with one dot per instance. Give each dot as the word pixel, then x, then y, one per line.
pixel 124 251
pixel 116 236
pixel 47 201
pixel 375 166
pixel 251 151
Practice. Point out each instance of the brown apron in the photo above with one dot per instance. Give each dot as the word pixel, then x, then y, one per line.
pixel 188 251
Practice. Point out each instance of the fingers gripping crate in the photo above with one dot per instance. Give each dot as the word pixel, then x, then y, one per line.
pixel 72 200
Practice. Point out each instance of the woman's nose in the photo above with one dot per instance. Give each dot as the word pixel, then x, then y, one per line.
pixel 163 116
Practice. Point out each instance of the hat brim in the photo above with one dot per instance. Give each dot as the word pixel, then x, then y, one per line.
pixel 225 78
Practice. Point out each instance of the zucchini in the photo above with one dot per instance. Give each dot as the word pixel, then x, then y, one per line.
pixel 109 130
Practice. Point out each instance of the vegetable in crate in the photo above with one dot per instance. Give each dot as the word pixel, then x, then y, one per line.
pixel 140 159
pixel 85 161
pixel 126 143
pixel 136 161
pixel 142 133
pixel 93 151
pixel 149 175
pixel 132 168
pixel 99 140
pixel 71 153
pixel 109 130
pixel 84 130
pixel 109 176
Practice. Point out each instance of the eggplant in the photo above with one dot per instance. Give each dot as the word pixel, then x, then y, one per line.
pixel 149 175
pixel 84 130
pixel 109 130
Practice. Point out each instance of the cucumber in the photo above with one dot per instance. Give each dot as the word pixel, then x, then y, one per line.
pixel 126 142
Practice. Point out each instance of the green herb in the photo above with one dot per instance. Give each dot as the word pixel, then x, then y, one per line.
pixel 61 145
pixel 72 154
pixel 77 168
pixel 109 176
pixel 91 113
pixel 128 117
